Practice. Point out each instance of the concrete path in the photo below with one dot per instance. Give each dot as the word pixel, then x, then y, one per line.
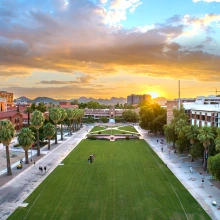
pixel 13 193
pixel 192 181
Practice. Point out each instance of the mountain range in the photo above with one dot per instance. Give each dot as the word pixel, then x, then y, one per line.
pixel 111 101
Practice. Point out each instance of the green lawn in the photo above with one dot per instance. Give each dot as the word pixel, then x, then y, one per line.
pixel 128 128
pixel 124 182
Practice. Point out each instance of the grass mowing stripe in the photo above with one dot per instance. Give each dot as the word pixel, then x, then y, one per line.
pixel 170 184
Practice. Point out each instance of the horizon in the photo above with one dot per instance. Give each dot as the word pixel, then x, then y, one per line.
pixel 109 48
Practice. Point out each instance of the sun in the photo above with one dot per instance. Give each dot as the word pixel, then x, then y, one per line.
pixel 153 94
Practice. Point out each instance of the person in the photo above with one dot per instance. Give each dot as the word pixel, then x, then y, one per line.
pixel 21 161
pixel 34 162
pixel 89 160
pixel 157 141
pixel 191 169
pixel 202 184
pixel 161 149
pixel 169 153
pixel 45 168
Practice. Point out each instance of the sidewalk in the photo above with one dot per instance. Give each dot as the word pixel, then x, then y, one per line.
pixel 192 181
pixel 14 192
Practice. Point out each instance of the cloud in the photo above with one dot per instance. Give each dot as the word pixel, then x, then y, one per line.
pixel 80 80
pixel 55 36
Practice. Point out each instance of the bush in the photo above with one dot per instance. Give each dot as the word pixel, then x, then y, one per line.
pixel 16 145
pixel 99 132
pixel 91 137
pixel 127 138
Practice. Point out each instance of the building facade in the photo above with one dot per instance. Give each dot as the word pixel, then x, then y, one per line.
pixel 8 96
pixel 136 99
pixel 204 111
pixel 3 105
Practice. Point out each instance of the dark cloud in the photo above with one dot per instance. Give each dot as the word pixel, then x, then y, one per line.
pixel 48 35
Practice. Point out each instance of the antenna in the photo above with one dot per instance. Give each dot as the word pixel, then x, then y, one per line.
pixel 216 92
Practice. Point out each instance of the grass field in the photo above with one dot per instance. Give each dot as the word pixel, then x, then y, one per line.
pixel 127 181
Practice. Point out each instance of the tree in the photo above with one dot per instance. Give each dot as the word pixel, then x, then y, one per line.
pixel 62 118
pixel 217 140
pixel 49 132
pixel 41 107
pixel 7 133
pixel 37 120
pixel 70 116
pixel 170 134
pixel 26 139
pixel 205 136
pixel 118 119
pixel 75 102
pixel 152 117
pixel 191 132
pixel 214 166
pixel 104 119
pixel 28 111
pixel 130 116
pixel 55 115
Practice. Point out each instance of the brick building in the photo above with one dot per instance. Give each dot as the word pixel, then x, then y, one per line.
pixel 9 97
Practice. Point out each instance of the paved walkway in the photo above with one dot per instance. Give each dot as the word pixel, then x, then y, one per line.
pixel 192 181
pixel 13 193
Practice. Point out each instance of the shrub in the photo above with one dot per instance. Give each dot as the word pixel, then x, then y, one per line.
pixel 127 138
pixel 91 137
pixel 16 145
pixel 99 132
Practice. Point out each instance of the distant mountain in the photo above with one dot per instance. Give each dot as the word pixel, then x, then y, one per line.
pixel 111 101
pixel 45 99
pixel 23 99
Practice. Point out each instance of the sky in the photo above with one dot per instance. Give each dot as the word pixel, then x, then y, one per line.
pixel 66 49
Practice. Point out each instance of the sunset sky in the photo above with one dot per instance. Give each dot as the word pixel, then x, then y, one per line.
pixel 66 49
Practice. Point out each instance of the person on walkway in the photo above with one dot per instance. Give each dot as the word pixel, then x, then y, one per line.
pixel 169 153
pixel 191 169
pixel 45 169
pixel 202 183
pixel 161 149
pixel 157 141
pixel 34 162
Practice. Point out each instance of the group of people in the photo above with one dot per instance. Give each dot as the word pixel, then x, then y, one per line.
pixel 91 158
pixel 41 169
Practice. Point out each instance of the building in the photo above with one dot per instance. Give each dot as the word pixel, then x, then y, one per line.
pixel 16 118
pixel 3 105
pixel 173 104
pixel 67 105
pixel 205 111
pixel 202 111
pixel 136 99
pixel 108 113
pixel 8 96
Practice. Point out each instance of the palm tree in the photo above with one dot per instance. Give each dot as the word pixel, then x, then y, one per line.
pixel 81 114
pixel 55 116
pixel 37 120
pixel 62 118
pixel 217 140
pixel 205 136
pixel 49 132
pixel 191 132
pixel 28 111
pixel 26 139
pixel 7 133
pixel 70 116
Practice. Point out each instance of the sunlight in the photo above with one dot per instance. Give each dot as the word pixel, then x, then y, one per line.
pixel 153 94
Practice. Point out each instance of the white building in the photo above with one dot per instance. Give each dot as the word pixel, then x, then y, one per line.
pixel 205 111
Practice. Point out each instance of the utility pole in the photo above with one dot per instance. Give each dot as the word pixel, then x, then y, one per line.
pixel 179 95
